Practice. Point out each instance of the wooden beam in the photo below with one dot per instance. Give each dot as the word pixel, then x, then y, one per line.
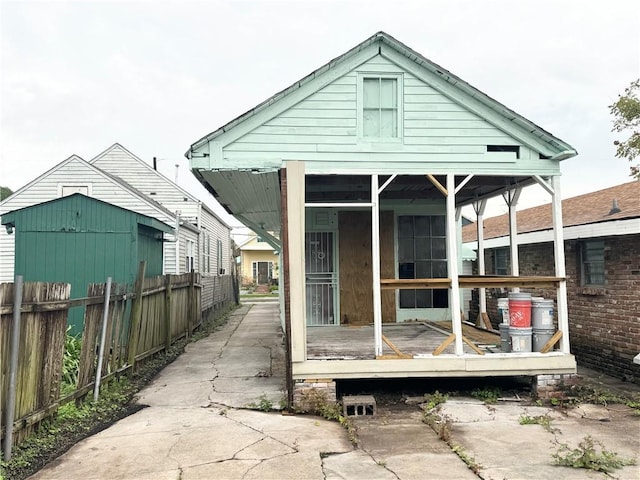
pixel 444 344
pixel 472 345
pixel 552 341
pixel 487 321
pixel 394 348
pixel 437 184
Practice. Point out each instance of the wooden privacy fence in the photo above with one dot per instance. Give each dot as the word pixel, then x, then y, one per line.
pixel 139 323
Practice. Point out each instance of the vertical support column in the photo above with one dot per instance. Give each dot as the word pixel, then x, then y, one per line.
pixel 375 264
pixel 479 208
pixel 295 235
pixel 452 263
pixel 512 201
pixel 558 246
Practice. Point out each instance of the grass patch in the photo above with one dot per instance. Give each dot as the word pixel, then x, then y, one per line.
pixel 488 395
pixel 590 454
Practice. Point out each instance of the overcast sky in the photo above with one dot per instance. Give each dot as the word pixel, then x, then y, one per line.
pixel 157 76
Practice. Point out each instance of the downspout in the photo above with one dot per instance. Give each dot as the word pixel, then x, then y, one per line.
pixel 177 244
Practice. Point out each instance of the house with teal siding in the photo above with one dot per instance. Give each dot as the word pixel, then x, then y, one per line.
pixel 81 240
pixel 362 168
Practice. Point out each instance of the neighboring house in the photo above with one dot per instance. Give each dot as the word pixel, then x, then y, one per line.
pixel 119 177
pixel 210 253
pixel 259 262
pixel 80 240
pixel 602 241
pixel 362 167
pixel 75 175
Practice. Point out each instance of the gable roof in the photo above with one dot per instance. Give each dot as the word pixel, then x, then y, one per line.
pixel 111 178
pixel 512 120
pixel 153 171
pixel 590 208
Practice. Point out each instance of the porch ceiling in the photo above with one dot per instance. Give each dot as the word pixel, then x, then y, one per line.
pixel 252 197
pixel 340 188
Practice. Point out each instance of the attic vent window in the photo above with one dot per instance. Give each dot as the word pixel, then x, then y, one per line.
pixel 505 148
pixel 380 107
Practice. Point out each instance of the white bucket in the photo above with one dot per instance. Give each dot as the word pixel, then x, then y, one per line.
pixel 541 337
pixel 503 309
pixel 520 339
pixel 542 314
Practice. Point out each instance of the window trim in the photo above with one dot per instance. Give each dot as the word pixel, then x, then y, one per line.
pixel 360 106
pixel 63 185
pixel 583 260
pixel 502 251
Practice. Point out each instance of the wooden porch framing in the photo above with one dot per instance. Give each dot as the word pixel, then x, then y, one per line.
pixel 295 208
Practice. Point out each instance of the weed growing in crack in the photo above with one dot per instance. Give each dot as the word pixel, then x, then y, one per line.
pixel 586 455
pixel 543 420
pixel 434 399
pixel 468 460
pixel 439 423
pixel 264 404
pixel 315 402
pixel 488 395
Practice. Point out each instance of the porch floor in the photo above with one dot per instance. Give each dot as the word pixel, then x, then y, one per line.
pixel 411 338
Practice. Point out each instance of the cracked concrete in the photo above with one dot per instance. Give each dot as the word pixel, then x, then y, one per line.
pixel 197 426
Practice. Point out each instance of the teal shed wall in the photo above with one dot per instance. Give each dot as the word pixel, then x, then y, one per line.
pixel 81 240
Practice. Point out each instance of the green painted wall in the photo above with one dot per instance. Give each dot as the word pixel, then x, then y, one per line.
pixel 81 240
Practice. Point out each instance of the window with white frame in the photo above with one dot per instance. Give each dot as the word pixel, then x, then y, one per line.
pixel 189 257
pixel 592 263
pixel 221 269
pixel 65 189
pixel 501 261
pixel 380 107
pixel 206 252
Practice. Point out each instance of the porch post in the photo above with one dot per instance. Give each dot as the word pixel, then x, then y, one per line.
pixel 375 264
pixel 452 263
pixel 295 233
pixel 480 207
pixel 512 201
pixel 558 245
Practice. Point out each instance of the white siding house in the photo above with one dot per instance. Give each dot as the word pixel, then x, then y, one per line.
pixel 209 252
pixel 75 175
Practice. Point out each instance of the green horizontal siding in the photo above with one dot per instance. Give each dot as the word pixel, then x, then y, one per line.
pixel 438 131
pixel 80 240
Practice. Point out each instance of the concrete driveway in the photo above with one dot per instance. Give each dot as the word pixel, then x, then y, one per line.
pixel 197 426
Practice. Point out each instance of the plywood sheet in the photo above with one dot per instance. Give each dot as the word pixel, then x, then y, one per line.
pixel 356 296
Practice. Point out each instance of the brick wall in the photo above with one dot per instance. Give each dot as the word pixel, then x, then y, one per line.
pixel 604 323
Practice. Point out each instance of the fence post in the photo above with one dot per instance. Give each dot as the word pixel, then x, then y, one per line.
pixel 103 334
pixel 13 368
pixel 167 312
pixel 136 314
pixel 191 304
